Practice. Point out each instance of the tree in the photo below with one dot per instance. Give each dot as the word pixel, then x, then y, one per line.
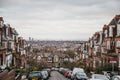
pixel 80 64
pixel 68 64
pixel 70 53
pixel 106 67
pixel 42 65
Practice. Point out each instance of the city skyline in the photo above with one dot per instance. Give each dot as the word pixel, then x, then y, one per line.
pixel 58 19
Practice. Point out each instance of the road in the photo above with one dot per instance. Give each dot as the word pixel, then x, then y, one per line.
pixel 57 76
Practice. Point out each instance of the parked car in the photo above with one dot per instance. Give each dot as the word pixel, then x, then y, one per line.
pixel 60 69
pixel 35 75
pixel 80 76
pixel 64 70
pixel 53 68
pixel 56 69
pixel 68 73
pixel 116 77
pixel 48 70
pixel 98 77
pixel 18 74
pixel 75 70
pixel 45 75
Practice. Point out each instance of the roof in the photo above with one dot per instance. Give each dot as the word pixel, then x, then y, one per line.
pixel 1 19
pixel 46 54
pixel 114 20
pixel 14 31
pixel 60 55
pixel 105 26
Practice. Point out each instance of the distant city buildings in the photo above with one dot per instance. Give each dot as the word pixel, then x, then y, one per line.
pixel 54 53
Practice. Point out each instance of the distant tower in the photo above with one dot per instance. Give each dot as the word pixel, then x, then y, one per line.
pixel 29 38
pixel 32 39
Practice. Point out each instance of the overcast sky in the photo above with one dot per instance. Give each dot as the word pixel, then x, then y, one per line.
pixel 58 19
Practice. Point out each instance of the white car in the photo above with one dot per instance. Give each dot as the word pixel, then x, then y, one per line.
pixel 80 76
pixel 116 77
pixel 44 75
pixel 98 77
pixel 75 70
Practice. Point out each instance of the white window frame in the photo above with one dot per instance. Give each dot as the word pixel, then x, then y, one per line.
pixel 108 44
pixel 49 59
pixel 118 44
pixel 111 30
pixel 118 29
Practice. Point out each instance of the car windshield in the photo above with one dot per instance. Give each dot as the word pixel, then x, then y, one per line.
pixel 34 74
pixel 44 72
pixel 100 77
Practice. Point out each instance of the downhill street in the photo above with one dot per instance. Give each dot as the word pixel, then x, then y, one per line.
pixel 57 76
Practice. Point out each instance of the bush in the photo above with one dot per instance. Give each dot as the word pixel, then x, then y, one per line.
pixel 98 70
pixel 107 67
pixel 8 68
pixel 35 68
pixel 24 71
pixel 88 69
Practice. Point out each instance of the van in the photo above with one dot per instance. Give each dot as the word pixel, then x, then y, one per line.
pixel 75 70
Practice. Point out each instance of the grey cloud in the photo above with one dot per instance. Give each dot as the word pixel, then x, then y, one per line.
pixel 58 19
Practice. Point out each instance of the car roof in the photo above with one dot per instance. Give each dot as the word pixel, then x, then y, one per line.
pixel 97 74
pixel 117 76
pixel 35 71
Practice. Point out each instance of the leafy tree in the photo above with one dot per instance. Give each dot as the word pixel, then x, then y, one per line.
pixel 68 64
pixel 70 53
pixel 106 67
pixel 42 65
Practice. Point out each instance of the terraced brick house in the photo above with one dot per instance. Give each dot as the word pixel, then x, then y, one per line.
pixel 103 45
pixel 12 48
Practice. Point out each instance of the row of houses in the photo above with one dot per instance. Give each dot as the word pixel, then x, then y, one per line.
pixel 52 59
pixel 13 49
pixel 103 47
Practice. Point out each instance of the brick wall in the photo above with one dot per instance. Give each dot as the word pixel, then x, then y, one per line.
pixel 5 75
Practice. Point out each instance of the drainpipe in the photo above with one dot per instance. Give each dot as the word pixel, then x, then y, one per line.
pixel 119 62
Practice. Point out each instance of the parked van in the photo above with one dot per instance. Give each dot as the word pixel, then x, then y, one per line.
pixel 75 70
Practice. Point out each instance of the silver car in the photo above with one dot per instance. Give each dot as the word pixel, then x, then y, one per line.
pixel 98 77
pixel 116 77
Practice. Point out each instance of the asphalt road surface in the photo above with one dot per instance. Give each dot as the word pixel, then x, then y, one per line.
pixel 57 76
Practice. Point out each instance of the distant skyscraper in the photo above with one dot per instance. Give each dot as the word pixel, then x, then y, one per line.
pixel 29 38
pixel 32 39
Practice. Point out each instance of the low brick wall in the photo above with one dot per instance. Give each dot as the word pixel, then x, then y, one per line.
pixel 5 75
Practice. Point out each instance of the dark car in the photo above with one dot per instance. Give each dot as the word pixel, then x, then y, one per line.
pixel 35 75
pixel 18 75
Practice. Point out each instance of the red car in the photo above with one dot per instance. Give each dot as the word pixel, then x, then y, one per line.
pixel 68 74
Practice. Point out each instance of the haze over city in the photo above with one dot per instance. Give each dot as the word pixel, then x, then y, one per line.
pixel 58 19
